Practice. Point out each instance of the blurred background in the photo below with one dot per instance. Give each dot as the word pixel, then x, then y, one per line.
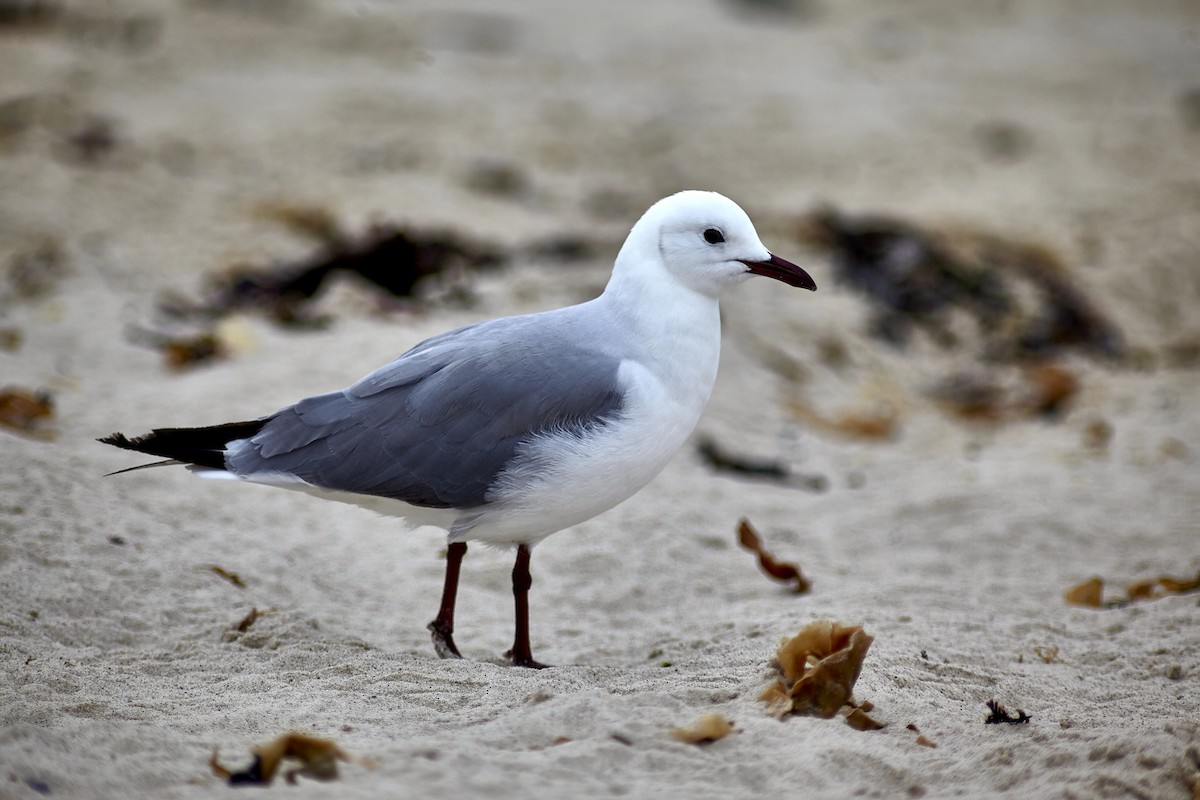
pixel 981 188
pixel 211 208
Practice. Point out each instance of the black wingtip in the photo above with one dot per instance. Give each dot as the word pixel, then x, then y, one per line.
pixel 203 447
pixel 118 440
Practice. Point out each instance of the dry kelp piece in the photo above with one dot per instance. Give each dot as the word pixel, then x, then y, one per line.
pixel 11 339
pixel 719 459
pixel 248 620
pixel 182 350
pixel 1173 448
pixel 1020 294
pixel 314 758
pixel 758 468
pixel 1097 435
pixel 1011 306
pixel 820 666
pixel 91 141
pixel 878 425
pixel 225 574
pixel 387 257
pixel 912 281
pixel 1048 655
pixel 781 571
pixel 922 740
pixel 1090 593
pixel 27 412
pixel 860 721
pixel 1044 390
pixel 36 273
pixel 29 13
pixel 1183 354
pixel 998 714
pixel 706 729
pixel 1191 767
pixel 92 23
pixel 196 345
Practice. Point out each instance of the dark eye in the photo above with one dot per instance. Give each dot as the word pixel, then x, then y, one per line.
pixel 713 236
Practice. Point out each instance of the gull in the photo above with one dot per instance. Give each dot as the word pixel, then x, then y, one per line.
pixel 509 430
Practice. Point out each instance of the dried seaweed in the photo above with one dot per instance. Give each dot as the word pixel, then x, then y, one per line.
pixel 719 459
pixel 221 572
pixel 92 142
pixel 315 758
pixel 1183 354
pixel 91 23
pixel 820 666
pixel 998 714
pixel 1090 593
pixel 11 339
pixel 706 729
pixel 243 626
pixel 1045 390
pixel 756 468
pixel 387 257
pixel 878 425
pixel 781 571
pixel 1173 448
pixel 182 351
pixel 922 740
pixel 248 620
pixel 27 412
pixel 35 273
pixel 29 13
pixel 917 279
pixel 860 721
pixel 1010 305
pixel 1048 655
pixel 1097 435
pixel 499 179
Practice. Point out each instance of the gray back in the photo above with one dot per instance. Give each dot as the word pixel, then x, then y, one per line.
pixel 435 427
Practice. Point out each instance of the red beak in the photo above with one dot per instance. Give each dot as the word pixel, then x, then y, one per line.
pixel 785 271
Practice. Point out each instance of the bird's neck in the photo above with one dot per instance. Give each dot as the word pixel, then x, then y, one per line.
pixel 678 328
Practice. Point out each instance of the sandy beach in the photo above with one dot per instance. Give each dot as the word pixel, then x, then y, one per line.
pixel 938 489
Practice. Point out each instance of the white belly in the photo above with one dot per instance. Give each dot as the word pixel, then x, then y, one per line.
pixel 563 479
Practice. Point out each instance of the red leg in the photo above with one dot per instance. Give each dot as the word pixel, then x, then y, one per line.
pixel 522 580
pixel 442 628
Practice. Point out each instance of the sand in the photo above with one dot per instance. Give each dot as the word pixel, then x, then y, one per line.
pixel 143 140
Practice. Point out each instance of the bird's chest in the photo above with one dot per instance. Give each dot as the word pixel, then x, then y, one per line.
pixel 664 404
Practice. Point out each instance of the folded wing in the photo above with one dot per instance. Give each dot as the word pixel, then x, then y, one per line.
pixel 437 426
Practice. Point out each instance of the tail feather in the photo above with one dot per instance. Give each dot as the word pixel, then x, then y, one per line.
pixel 204 447
pixel 170 462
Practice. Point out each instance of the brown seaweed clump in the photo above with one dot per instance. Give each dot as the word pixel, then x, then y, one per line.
pixel 999 715
pixel 782 571
pixel 26 412
pixel 1090 593
pixel 1019 294
pixel 389 258
pixel 820 666
pixel 311 758
pixel 1013 311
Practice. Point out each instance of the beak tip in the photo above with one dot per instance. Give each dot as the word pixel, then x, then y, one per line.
pixel 782 270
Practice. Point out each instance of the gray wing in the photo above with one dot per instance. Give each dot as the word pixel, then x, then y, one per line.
pixel 435 427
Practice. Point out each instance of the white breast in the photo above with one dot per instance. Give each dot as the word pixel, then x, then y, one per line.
pixel 564 478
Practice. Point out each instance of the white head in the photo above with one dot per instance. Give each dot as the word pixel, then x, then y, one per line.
pixel 706 242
